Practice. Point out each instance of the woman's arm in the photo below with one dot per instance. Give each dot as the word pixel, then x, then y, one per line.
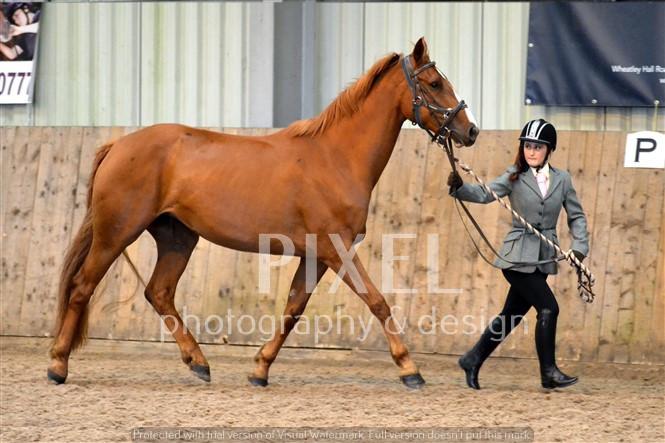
pixel 576 218
pixel 18 30
pixel 10 52
pixel 477 194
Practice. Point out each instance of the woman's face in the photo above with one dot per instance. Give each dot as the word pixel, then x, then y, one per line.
pixel 20 18
pixel 535 153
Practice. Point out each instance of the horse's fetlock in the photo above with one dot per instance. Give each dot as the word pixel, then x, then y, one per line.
pixel 401 356
pixel 59 354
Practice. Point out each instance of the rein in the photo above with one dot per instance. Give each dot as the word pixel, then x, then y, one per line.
pixel 585 278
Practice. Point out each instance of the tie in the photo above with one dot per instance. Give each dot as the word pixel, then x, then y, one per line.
pixel 542 183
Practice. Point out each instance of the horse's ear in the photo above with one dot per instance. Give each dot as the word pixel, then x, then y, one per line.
pixel 420 51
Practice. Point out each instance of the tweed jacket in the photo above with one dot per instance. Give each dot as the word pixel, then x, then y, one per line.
pixel 541 212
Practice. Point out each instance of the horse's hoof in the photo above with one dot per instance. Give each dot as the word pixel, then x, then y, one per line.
pixel 54 378
pixel 202 372
pixel 256 381
pixel 413 381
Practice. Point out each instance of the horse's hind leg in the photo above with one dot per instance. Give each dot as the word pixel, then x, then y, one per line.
pixel 106 244
pixel 175 243
pixel 297 301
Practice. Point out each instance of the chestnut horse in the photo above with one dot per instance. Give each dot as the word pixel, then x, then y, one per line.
pixel 315 176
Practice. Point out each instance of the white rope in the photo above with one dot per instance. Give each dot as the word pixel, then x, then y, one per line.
pixel 584 287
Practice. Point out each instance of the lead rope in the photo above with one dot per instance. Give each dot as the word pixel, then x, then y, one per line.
pixel 585 278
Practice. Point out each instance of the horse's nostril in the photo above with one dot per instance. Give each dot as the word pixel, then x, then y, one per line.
pixel 474 131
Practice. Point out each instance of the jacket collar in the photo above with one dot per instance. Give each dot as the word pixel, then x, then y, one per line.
pixel 555 180
pixel 545 169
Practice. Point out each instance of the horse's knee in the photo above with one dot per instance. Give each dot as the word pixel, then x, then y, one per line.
pixel 380 309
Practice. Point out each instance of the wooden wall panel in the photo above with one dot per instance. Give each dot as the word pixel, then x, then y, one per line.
pixel 45 175
pixel 20 156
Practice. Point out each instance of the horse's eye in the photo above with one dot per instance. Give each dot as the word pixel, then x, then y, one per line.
pixel 435 85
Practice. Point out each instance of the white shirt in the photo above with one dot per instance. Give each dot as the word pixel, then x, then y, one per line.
pixel 545 170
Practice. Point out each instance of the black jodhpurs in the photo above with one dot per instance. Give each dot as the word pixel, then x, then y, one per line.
pixel 526 290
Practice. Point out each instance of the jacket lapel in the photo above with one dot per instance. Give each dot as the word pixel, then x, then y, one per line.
pixel 530 181
pixel 555 180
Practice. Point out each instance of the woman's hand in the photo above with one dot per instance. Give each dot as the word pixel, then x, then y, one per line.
pixel 455 181
pixel 578 255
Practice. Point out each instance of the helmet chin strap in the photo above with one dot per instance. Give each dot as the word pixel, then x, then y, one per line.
pixel 547 158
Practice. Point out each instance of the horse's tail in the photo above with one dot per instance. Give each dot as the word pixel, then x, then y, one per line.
pixel 74 258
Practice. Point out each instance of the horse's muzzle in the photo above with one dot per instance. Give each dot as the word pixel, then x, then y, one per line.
pixel 467 138
pixel 473 133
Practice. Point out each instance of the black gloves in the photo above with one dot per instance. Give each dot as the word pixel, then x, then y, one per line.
pixel 455 181
pixel 578 255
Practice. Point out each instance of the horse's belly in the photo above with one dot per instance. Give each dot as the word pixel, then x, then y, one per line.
pixel 234 222
pixel 235 203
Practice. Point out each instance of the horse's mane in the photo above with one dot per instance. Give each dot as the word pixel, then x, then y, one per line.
pixel 347 102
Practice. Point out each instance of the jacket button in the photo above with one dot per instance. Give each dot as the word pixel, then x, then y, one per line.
pixel 542 203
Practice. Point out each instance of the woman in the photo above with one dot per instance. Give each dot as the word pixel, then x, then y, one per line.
pixel 23 32
pixel 536 191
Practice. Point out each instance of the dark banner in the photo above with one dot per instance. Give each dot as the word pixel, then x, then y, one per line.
pixel 596 54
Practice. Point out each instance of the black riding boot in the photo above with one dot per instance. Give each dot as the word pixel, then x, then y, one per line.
pixel 551 377
pixel 473 360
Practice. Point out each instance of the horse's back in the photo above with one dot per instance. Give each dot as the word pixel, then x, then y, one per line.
pixel 220 185
pixel 153 145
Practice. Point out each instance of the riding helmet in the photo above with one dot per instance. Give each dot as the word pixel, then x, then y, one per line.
pixel 539 131
pixel 11 8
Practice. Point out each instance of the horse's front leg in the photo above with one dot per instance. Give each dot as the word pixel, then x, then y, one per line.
pixel 353 273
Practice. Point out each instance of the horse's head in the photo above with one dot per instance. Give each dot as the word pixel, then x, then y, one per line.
pixel 431 101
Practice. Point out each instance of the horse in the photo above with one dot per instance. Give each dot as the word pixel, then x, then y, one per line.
pixel 314 176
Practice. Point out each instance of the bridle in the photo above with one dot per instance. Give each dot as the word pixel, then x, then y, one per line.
pixel 420 100
pixel 442 138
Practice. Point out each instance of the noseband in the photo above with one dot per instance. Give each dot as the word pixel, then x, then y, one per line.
pixel 420 100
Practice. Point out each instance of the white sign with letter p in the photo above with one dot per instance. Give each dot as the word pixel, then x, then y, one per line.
pixel 645 149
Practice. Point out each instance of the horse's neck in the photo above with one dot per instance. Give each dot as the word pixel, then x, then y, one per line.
pixel 369 135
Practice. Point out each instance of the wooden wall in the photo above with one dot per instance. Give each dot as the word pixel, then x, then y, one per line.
pixel 44 179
